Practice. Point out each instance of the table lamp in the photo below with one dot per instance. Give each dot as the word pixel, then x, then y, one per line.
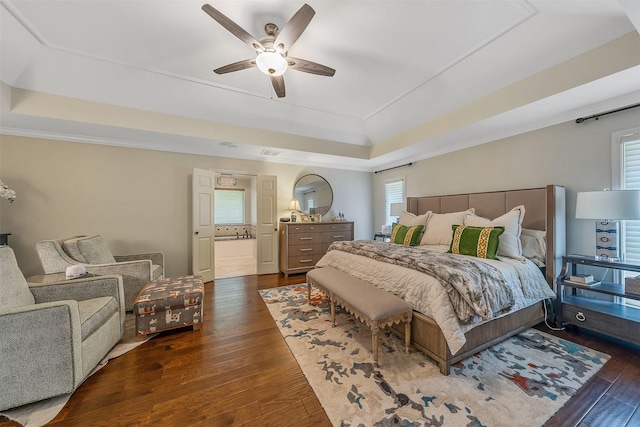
pixel 294 207
pixel 396 209
pixel 607 208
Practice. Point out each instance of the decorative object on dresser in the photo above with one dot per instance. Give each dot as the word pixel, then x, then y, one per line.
pixel 607 207
pixel 303 244
pixel 606 316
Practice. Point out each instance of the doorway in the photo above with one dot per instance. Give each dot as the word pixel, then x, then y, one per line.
pixel 235 220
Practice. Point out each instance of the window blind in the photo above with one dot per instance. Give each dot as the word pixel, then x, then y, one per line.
pixel 393 193
pixel 631 181
pixel 229 206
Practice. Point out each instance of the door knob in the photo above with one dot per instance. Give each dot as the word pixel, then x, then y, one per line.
pixel 196 232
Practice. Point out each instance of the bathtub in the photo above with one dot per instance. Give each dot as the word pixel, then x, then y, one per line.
pixel 239 237
pixel 233 247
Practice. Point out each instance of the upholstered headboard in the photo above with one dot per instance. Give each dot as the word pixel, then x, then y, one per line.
pixel 544 210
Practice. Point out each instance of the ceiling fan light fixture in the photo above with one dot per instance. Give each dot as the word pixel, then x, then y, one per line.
pixel 271 63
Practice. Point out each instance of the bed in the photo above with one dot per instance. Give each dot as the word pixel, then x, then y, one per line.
pixel 437 333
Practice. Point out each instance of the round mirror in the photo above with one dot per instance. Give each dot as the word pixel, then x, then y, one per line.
pixel 314 194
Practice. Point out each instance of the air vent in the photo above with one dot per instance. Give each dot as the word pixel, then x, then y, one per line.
pixel 272 153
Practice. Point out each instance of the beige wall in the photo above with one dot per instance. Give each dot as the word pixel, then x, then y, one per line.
pixel 576 156
pixel 138 200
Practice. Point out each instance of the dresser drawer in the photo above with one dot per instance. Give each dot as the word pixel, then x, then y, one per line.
pixel 304 261
pixel 305 229
pixel 307 249
pixel 305 238
pixel 337 236
pixel 338 227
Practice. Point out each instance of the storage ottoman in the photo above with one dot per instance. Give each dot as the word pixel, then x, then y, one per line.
pixel 168 303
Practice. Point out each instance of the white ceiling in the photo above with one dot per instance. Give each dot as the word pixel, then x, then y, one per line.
pixel 414 78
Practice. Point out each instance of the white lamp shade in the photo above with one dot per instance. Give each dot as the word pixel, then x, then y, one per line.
pixel 396 209
pixel 294 205
pixel 271 63
pixel 612 204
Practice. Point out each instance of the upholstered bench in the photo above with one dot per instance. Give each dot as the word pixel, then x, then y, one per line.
pixel 167 303
pixel 373 306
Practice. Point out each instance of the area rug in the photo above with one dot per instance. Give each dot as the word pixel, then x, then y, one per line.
pixel 524 379
pixel 40 413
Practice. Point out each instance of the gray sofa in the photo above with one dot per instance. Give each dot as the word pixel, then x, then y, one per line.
pixel 92 252
pixel 54 333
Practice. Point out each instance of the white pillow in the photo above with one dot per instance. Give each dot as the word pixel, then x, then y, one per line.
pixel 509 245
pixel 439 231
pixel 409 220
pixel 534 246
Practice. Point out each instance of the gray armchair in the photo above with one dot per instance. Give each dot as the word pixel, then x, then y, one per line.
pixel 92 252
pixel 53 334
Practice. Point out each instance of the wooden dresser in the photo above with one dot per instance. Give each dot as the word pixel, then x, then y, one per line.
pixel 302 244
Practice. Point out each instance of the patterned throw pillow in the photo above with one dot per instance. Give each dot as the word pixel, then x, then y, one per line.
pixel 481 242
pixel 409 236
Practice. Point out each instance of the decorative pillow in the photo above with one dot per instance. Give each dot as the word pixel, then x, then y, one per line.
pixel 481 242
pixel 409 220
pixel 409 236
pixel 510 245
pixel 94 250
pixel 534 245
pixel 71 247
pixel 438 230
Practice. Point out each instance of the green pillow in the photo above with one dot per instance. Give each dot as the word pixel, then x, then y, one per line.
pixel 481 242
pixel 409 236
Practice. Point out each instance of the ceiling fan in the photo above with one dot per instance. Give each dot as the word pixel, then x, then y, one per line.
pixel 271 50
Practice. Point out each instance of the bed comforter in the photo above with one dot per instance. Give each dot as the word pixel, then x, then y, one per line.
pixel 438 285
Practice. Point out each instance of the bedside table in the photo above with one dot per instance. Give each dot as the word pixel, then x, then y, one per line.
pixel 604 316
pixel 385 237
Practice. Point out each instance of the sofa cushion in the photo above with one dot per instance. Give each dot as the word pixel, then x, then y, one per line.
pixel 95 312
pixel 71 248
pixel 156 272
pixel 14 291
pixel 94 250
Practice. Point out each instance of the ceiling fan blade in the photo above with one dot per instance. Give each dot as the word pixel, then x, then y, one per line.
pixel 234 28
pixel 294 28
pixel 236 66
pixel 310 67
pixel 278 85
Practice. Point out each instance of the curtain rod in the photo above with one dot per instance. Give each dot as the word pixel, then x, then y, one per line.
pixel 596 116
pixel 395 167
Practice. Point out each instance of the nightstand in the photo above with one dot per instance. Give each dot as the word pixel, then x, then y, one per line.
pixel 385 237
pixel 606 316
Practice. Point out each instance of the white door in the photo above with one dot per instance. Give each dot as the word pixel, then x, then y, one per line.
pixel 202 239
pixel 267 226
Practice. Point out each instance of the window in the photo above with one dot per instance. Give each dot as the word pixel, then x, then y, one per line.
pixel 229 206
pixel 393 193
pixel 626 176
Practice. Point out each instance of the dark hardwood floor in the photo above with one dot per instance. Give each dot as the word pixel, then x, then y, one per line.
pixel 237 370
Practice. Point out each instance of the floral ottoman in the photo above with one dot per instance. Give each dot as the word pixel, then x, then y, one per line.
pixel 168 304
